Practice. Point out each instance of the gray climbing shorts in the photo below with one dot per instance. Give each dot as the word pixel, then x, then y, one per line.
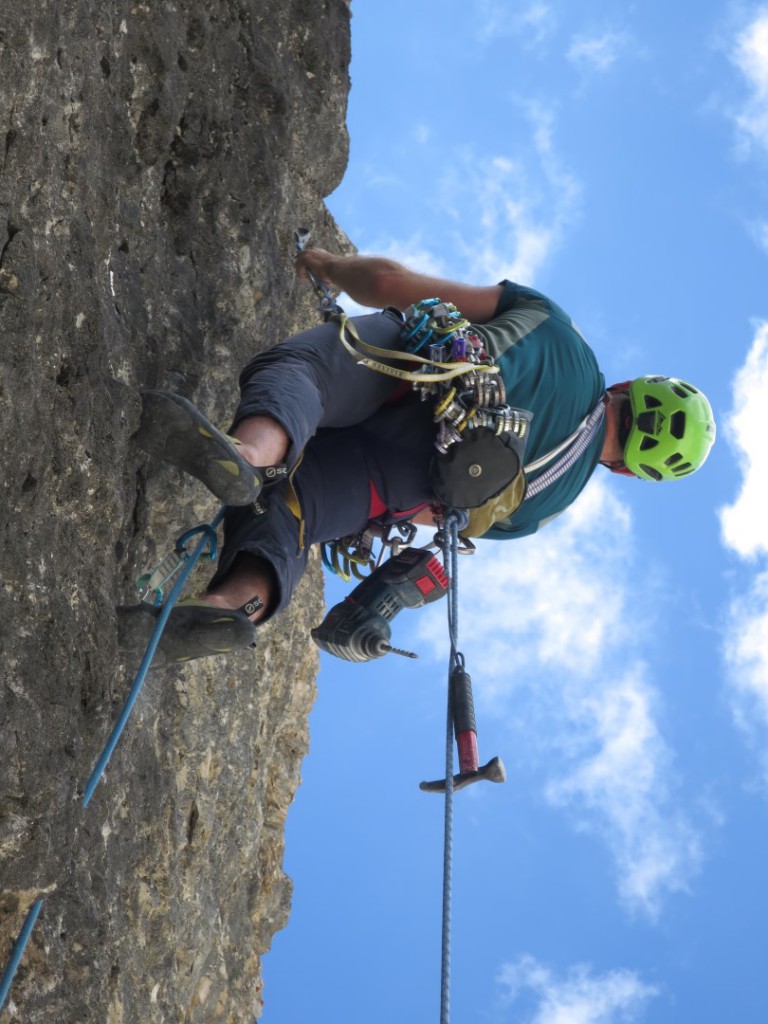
pixel 365 442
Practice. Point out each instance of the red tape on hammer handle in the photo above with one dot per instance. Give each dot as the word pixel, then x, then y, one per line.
pixel 464 726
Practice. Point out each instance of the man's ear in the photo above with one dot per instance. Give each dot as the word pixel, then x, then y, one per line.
pixel 618 467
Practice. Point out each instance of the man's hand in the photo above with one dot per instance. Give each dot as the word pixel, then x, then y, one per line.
pixel 315 261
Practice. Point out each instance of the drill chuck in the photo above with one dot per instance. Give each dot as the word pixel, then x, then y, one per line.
pixel 349 631
pixel 358 628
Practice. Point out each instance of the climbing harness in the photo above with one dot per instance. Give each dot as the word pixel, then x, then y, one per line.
pixel 480 442
pixel 465 386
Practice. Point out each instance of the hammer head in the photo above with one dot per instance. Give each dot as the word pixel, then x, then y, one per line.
pixel 491 772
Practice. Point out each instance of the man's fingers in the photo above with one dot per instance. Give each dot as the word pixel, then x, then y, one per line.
pixel 301 264
pixel 312 262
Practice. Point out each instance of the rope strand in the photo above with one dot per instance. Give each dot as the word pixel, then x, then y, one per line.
pixel 450 560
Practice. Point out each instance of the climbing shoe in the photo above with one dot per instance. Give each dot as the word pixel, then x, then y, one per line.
pixel 174 430
pixel 194 630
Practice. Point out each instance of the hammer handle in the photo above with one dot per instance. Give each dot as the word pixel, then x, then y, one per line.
pixel 464 725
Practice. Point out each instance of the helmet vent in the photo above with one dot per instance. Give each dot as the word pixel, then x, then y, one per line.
pixel 677 425
pixel 673 459
pixel 648 442
pixel 651 402
pixel 680 391
pixel 681 470
pixel 654 474
pixel 646 422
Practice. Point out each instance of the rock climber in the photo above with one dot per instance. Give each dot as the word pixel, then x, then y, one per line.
pixel 320 445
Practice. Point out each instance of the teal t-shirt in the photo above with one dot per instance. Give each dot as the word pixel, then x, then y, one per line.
pixel 549 369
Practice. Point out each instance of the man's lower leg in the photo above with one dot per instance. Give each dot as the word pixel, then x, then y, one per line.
pixel 250 580
pixel 263 442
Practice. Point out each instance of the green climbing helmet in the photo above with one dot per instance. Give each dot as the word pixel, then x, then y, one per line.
pixel 672 428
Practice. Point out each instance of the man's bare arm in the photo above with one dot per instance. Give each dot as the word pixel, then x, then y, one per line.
pixel 378 282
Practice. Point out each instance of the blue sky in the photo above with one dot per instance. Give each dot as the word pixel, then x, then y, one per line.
pixel 613 156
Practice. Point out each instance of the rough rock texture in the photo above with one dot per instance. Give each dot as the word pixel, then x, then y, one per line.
pixel 155 160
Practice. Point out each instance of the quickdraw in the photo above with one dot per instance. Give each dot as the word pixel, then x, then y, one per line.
pixel 151 586
pixel 328 307
pixel 350 556
pixel 353 556
pixel 477 397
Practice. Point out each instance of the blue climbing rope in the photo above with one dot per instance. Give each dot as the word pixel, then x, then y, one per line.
pixel 18 951
pixel 208 537
pixel 186 563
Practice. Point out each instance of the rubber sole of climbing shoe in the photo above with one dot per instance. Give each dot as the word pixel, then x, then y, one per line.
pixel 174 430
pixel 192 631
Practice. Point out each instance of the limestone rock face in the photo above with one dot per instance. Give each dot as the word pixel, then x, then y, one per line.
pixel 156 158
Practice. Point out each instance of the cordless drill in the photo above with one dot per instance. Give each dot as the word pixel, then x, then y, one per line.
pixel 357 629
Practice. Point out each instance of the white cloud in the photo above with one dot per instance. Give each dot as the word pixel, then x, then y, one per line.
pixel 551 642
pixel 747 652
pixel 759 231
pixel 557 604
pixel 750 55
pixel 744 532
pixel 352 308
pixel 422 134
pixel 746 655
pixel 579 997
pixel 498 19
pixel 496 216
pixel 539 215
pixel 743 522
pixel 620 792
pixel 513 212
pixel 597 52
pixel 415 254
